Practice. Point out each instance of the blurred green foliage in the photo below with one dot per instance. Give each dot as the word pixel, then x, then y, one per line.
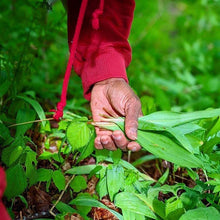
pixel 175 54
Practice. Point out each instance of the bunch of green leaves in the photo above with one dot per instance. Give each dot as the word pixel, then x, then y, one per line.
pixel 133 192
pixel 174 137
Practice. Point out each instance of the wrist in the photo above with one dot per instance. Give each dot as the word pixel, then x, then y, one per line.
pixel 110 81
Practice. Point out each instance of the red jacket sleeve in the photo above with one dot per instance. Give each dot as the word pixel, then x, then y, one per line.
pixel 104 53
pixel 3 213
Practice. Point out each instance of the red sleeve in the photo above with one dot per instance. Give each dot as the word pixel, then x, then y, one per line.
pixel 3 213
pixel 104 53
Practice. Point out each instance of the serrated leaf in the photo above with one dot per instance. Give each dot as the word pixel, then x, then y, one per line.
pixel 78 134
pixel 44 174
pixel 15 177
pixel 78 184
pixel 59 179
pixel 15 154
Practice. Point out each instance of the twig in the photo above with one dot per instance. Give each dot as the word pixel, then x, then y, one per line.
pixel 29 122
pixel 60 197
pixel 21 217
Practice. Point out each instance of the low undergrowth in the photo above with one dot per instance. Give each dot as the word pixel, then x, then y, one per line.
pixel 53 170
pixel 57 172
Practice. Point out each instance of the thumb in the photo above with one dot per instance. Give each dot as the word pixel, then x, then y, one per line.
pixel 132 112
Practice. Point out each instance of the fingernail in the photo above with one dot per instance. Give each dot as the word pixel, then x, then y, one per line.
pixel 134 149
pixel 105 141
pixel 133 133
pixel 117 137
pixel 98 141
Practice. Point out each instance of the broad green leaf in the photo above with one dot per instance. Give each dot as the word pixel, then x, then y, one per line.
pixel 177 132
pixel 88 149
pixel 30 162
pixel 15 154
pixel 174 208
pixel 116 155
pixel 166 149
pixel 190 199
pixel 24 115
pixel 36 107
pixel 164 177
pixel 87 200
pixel 95 171
pixel 172 119
pixel 115 179
pixel 44 174
pixel 128 215
pixel 63 125
pixel 48 155
pixel 78 183
pixel 147 105
pixel 129 166
pixel 130 202
pixel 4 134
pixel 144 159
pixel 208 213
pixel 151 200
pixel 6 152
pixel 86 169
pixel 23 200
pixel 212 138
pixel 78 134
pixel 216 189
pixel 16 181
pixel 4 87
pixel 192 174
pixel 132 216
pixel 59 179
pixel 101 187
pixel 64 208
pixel 102 155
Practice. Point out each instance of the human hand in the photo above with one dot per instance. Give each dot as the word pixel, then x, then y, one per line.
pixel 115 98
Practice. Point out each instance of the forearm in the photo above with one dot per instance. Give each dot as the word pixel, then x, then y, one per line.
pixel 103 53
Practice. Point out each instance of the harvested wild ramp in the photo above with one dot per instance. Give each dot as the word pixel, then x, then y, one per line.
pixel 175 137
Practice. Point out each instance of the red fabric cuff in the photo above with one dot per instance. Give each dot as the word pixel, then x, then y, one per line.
pixel 107 64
